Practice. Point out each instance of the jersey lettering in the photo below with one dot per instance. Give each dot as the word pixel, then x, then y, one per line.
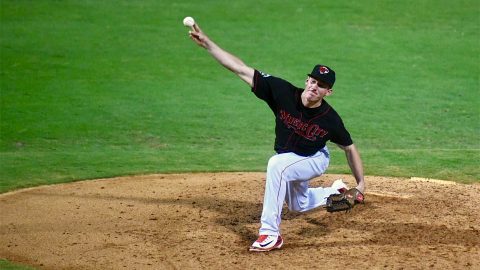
pixel 307 130
pixel 312 128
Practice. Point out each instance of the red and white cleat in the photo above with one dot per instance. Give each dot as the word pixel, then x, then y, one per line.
pixel 267 243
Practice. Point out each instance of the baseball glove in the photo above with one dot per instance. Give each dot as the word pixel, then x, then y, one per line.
pixel 344 201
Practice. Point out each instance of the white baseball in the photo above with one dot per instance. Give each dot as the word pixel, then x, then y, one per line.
pixel 188 21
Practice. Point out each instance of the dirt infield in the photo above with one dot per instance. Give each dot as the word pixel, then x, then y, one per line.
pixel 207 221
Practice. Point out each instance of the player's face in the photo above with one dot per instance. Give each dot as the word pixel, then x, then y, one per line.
pixel 315 90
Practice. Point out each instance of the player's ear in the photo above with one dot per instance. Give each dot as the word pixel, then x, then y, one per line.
pixel 329 92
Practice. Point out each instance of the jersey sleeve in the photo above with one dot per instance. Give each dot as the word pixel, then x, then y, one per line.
pixel 340 135
pixel 269 88
pixel 262 86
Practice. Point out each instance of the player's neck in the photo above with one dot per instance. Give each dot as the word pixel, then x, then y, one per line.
pixel 311 104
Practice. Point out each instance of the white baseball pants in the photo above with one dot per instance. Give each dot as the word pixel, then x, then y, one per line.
pixel 288 177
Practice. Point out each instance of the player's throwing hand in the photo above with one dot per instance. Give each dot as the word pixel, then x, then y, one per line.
pixel 198 36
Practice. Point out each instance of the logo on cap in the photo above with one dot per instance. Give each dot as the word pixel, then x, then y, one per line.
pixel 323 70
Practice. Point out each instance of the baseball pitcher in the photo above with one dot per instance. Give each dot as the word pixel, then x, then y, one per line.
pixel 304 122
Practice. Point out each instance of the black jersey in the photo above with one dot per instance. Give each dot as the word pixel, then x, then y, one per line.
pixel 298 129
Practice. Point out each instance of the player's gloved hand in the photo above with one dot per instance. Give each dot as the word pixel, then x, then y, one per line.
pixel 344 201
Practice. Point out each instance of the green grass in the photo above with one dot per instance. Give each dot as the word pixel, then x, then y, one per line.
pixel 6 265
pixel 96 89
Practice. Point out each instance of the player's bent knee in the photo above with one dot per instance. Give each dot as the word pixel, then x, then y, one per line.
pixel 275 164
pixel 296 204
pixel 293 208
pixel 279 167
pixel 297 208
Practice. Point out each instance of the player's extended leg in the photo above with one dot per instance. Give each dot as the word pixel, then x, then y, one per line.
pixel 282 170
pixel 301 198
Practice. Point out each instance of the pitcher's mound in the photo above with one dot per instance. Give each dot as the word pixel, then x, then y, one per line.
pixel 208 221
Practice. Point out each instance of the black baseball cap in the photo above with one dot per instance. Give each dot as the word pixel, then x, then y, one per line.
pixel 324 74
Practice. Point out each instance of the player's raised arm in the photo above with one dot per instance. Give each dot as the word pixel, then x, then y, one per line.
pixel 225 58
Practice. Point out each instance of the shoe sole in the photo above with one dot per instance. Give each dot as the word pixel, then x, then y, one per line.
pixel 256 249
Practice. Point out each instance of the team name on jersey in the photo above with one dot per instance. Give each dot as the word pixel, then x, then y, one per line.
pixel 307 130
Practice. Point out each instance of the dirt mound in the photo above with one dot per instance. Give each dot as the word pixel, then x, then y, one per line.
pixel 207 221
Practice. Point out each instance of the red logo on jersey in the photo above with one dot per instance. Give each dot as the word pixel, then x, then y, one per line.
pixel 323 70
pixel 307 130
